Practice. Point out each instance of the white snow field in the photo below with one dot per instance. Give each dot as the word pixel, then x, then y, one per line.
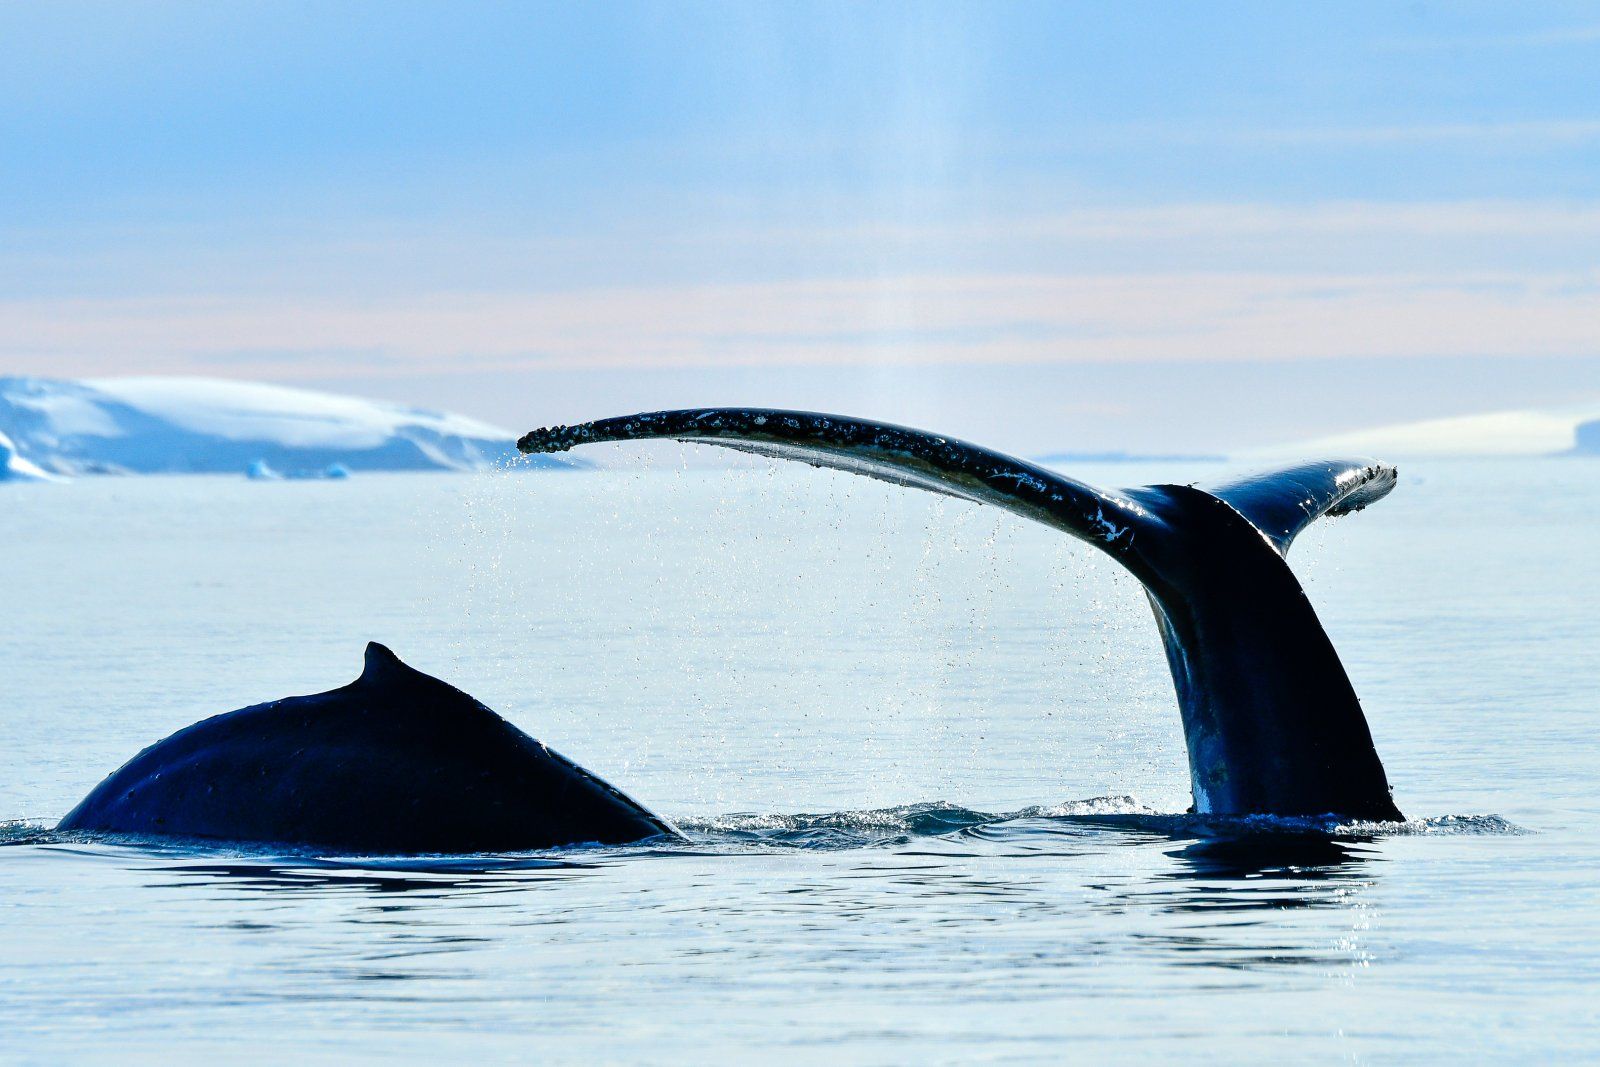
pixel 210 426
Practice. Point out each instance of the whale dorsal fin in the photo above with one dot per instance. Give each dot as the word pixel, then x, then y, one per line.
pixel 387 674
pixel 381 667
pixel 1281 503
pixel 379 664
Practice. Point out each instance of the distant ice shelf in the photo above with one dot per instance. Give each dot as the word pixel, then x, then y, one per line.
pixel 1560 431
pixel 209 426
pixel 1057 458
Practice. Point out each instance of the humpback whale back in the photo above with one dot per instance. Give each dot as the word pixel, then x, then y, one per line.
pixel 1271 721
pixel 395 762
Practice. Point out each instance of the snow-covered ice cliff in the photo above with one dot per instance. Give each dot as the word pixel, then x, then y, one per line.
pixel 202 425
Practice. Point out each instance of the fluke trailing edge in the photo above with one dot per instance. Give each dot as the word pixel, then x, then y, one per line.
pixel 394 762
pixel 1271 721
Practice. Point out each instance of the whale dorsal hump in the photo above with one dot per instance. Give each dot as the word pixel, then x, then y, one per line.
pixel 380 664
pixel 395 684
pixel 381 667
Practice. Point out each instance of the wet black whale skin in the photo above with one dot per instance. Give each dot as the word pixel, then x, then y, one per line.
pixel 395 762
pixel 1270 719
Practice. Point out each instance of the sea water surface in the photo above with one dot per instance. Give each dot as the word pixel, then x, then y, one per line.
pixel 926 756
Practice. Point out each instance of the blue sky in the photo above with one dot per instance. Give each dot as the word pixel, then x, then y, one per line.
pixel 1050 225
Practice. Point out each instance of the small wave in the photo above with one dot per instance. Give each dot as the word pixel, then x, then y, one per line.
pixel 23 832
pixel 852 829
pixel 1442 825
pixel 1121 813
pixel 918 820
pixel 1072 809
pixel 1189 824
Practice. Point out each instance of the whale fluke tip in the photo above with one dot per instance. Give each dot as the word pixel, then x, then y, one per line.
pixel 544 439
pixel 554 439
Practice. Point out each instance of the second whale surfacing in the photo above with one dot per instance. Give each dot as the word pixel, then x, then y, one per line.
pixel 396 762
pixel 1270 719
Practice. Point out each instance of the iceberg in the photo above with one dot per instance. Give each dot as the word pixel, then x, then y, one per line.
pixel 212 426
pixel 261 471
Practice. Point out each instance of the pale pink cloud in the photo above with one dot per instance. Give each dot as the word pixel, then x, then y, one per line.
pixel 1456 287
pixel 890 321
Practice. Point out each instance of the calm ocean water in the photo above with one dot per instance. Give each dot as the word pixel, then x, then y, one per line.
pixel 840 690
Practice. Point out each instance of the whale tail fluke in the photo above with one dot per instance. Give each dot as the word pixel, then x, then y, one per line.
pixel 1271 721
pixel 1279 503
pixel 1283 502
